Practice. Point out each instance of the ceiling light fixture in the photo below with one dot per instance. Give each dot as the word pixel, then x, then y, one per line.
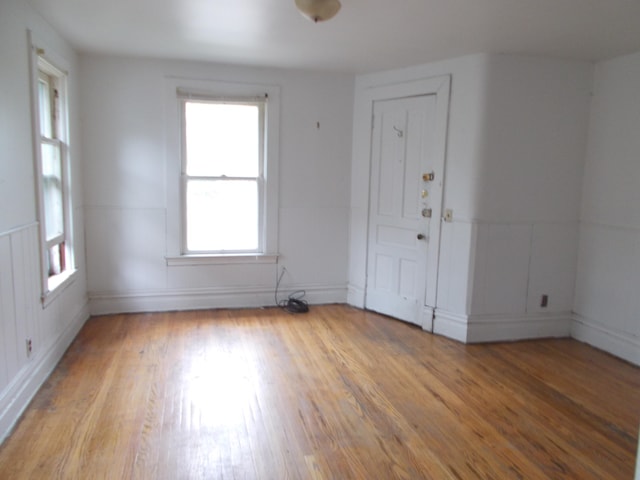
pixel 318 10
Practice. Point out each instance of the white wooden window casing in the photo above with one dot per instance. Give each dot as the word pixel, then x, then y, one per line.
pixel 267 97
pixel 51 157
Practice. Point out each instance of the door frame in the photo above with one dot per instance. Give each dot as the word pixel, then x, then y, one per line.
pixel 439 86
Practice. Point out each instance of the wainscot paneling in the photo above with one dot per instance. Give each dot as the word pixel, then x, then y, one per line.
pixel 23 319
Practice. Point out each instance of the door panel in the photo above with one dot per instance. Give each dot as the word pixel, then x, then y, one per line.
pixel 402 151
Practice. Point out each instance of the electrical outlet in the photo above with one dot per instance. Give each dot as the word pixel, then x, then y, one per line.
pixel 29 347
pixel 544 301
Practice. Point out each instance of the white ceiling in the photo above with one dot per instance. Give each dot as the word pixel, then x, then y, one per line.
pixel 365 36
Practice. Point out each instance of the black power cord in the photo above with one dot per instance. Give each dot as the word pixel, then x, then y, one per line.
pixel 293 303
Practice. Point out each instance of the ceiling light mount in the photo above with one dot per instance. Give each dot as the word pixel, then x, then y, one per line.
pixel 318 10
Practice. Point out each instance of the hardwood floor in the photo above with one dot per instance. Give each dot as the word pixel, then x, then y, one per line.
pixel 336 393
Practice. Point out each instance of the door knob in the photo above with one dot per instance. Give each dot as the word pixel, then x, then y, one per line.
pixel 421 236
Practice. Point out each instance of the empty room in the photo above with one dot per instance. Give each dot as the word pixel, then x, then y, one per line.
pixel 328 239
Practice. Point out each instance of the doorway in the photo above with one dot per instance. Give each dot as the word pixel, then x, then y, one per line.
pixel 405 205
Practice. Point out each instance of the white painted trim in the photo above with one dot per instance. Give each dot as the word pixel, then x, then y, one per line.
pixel 231 259
pixel 27 382
pixel 59 69
pixel 355 295
pixel 620 344
pixel 427 318
pixel 62 282
pixel 450 325
pixel 18 229
pixel 173 195
pixel 103 303
pixel 499 328
pixel 420 86
pixel 603 226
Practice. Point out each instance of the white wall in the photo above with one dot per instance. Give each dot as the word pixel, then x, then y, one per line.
pixel 21 312
pixel 464 135
pixel 528 197
pixel 124 117
pixel 523 199
pixel 515 155
pixel 607 300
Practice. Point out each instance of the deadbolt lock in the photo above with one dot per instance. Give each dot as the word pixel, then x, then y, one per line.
pixel 428 177
pixel 426 212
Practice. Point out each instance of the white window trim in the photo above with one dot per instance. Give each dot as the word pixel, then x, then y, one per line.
pixel 222 259
pixel 58 284
pixel 175 87
pixel 51 286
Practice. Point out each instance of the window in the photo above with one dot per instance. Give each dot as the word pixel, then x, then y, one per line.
pixel 52 169
pixel 222 175
pixel 222 172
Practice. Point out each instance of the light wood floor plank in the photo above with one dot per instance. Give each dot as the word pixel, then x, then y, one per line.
pixel 335 394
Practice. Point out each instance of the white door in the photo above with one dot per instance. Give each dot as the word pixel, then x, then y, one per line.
pixel 405 209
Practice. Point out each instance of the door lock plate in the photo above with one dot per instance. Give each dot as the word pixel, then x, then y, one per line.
pixel 426 212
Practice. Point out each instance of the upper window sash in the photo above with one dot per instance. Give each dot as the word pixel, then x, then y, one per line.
pixel 260 102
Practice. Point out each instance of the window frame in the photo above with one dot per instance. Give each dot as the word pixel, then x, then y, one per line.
pixel 261 103
pixel 45 67
pixel 232 92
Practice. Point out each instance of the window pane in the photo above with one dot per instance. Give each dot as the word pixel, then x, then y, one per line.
pixel 222 215
pixel 55 259
pixel 44 105
pixel 52 190
pixel 222 139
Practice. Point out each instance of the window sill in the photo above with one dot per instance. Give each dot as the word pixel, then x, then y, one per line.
pixel 56 285
pixel 230 259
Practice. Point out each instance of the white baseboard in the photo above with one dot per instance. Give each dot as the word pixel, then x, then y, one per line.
pixel 28 381
pixel 427 319
pixel 199 299
pixel 355 296
pixel 498 328
pixel 450 325
pixel 621 345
